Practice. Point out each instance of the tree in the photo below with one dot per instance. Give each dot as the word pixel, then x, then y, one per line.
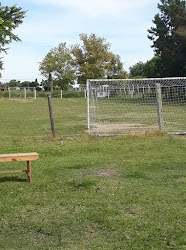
pixel 34 84
pixel 114 69
pixel 137 70
pixel 25 84
pixel 14 83
pixel 45 85
pixel 1 65
pixel 10 19
pixel 91 60
pixel 169 37
pixel 58 64
pixel 95 59
pixel 152 68
pixel 50 82
pixel 149 69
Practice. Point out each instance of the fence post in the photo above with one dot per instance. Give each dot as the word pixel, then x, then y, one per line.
pixel 143 90
pixel 85 93
pixel 61 94
pixel 129 90
pixel 51 116
pixel 159 106
pixel 35 95
pixel 148 87
pixel 88 105
pixel 9 93
pixel 25 93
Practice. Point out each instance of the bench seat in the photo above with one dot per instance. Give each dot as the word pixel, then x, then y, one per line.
pixel 28 157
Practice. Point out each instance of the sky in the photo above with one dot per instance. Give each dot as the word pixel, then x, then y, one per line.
pixel 123 23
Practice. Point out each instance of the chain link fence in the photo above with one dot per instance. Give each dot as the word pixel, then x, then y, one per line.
pixel 136 106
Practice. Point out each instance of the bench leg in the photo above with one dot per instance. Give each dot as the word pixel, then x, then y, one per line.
pixel 29 170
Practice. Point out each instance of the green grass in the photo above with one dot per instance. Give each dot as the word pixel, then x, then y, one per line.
pixel 88 192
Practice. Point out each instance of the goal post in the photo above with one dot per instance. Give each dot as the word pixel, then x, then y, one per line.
pixel 22 93
pixel 128 106
pixel 88 105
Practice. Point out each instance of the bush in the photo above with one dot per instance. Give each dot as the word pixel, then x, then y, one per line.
pixel 4 94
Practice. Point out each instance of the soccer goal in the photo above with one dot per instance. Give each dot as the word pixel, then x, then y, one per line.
pixel 130 106
pixel 22 93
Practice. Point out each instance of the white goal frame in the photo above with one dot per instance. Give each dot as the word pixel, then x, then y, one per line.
pixel 130 106
pixel 22 93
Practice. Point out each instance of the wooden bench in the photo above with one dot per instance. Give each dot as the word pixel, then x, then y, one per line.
pixel 28 157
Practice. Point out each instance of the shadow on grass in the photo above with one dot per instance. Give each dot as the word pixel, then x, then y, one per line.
pixel 81 184
pixel 12 179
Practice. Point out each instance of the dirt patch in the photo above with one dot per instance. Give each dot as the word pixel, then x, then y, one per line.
pixel 105 173
pixel 181 137
pixel 123 127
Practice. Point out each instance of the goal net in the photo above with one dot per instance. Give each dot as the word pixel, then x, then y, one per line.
pixel 136 105
pixel 22 93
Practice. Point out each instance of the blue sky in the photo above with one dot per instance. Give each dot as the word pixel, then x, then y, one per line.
pixel 123 23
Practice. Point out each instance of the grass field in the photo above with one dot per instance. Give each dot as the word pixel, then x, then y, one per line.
pixel 88 192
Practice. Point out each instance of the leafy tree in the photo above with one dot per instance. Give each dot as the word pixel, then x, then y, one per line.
pixel 14 83
pixel 25 84
pixel 137 70
pixel 58 64
pixel 114 69
pixel 92 60
pixel 152 68
pixel 149 69
pixel 95 59
pixel 169 37
pixel 50 81
pixel 34 83
pixel 1 65
pixel 45 85
pixel 10 19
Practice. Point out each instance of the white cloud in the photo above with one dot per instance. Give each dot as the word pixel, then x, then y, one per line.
pixel 97 8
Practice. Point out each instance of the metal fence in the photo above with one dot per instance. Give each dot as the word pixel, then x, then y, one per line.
pixel 136 106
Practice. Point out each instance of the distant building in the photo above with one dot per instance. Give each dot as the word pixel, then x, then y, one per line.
pixel 76 85
pixel 3 88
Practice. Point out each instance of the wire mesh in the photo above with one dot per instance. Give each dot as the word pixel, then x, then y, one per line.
pixel 130 105
pixel 22 93
pixel 72 93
